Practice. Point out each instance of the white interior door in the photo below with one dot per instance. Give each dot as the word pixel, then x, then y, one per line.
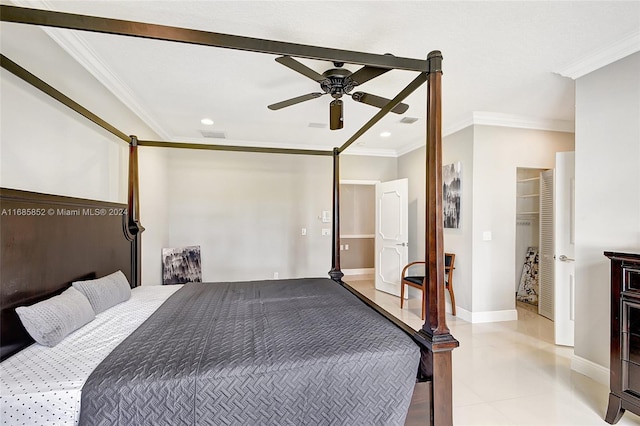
pixel 564 238
pixel 392 226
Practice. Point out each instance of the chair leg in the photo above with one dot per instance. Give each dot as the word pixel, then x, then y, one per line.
pixel 424 301
pixel 402 285
pixel 453 300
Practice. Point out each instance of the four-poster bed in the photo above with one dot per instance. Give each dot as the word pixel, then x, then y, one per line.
pixel 433 339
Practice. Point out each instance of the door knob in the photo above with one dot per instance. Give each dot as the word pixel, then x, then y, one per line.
pixel 403 244
pixel 564 258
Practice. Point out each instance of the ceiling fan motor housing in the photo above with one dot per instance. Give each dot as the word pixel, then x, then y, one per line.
pixel 338 82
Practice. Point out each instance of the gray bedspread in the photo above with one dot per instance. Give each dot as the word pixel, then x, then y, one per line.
pixel 288 352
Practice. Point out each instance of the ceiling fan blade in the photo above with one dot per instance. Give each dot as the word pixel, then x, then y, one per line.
pixel 335 115
pixel 367 73
pixel 378 101
pixel 289 62
pixel 295 100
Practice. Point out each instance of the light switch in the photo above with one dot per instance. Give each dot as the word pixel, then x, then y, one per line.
pixel 304 231
pixel 326 217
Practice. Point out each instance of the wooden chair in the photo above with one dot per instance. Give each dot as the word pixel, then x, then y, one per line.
pixel 417 281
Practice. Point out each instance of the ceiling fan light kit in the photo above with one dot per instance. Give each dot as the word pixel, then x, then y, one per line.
pixel 335 115
pixel 337 82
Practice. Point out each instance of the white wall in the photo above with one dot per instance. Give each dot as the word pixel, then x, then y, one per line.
pixel 412 167
pixel 55 153
pixel 246 211
pixel 359 167
pixel 607 193
pixel 459 147
pixel 489 157
pixel 154 210
pixel 497 153
pixel 46 147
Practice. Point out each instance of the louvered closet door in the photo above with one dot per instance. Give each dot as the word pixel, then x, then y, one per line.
pixel 546 250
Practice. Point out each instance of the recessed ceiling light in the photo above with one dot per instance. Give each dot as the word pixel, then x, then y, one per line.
pixel 385 134
pixel 207 121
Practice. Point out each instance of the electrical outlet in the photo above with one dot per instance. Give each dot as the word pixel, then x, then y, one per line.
pixel 346 246
pixel 275 275
pixel 326 231
pixel 341 247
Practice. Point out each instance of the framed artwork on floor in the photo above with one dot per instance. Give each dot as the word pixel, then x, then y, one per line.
pixel 181 265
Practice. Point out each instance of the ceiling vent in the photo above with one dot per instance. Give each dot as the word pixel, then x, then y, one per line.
pixel 408 120
pixel 213 135
pixel 318 125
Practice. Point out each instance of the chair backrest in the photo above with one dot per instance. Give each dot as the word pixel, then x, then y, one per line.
pixel 449 260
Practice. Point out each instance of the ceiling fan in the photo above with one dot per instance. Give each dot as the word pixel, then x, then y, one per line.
pixel 337 82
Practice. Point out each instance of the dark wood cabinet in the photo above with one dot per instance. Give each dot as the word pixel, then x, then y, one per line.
pixel 625 335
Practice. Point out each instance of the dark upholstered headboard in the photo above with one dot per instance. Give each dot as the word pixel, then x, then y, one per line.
pixel 47 243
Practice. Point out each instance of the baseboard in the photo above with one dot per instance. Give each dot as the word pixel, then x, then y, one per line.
pixel 488 316
pixel 590 369
pixel 448 308
pixel 361 271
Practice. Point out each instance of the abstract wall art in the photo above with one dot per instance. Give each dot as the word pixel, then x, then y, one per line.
pixel 451 194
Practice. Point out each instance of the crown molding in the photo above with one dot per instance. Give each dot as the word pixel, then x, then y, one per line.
pixel 409 148
pixel 602 57
pixel 79 50
pixel 458 125
pixel 75 46
pixel 482 118
pixel 497 119
pixel 370 152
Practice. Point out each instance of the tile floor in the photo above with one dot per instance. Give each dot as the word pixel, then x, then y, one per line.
pixel 510 373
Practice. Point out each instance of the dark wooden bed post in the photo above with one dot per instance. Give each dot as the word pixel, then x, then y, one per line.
pixel 132 226
pixel 436 363
pixel 435 314
pixel 335 273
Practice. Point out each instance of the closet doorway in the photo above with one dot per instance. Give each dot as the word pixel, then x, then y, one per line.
pixel 528 238
pixel 546 236
pixel 357 227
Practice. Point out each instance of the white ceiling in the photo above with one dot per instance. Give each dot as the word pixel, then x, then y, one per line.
pixel 502 64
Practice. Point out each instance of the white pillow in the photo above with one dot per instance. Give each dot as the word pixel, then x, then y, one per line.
pixel 105 292
pixel 51 320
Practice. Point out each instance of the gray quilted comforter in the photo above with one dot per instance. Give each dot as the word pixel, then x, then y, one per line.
pixel 288 352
